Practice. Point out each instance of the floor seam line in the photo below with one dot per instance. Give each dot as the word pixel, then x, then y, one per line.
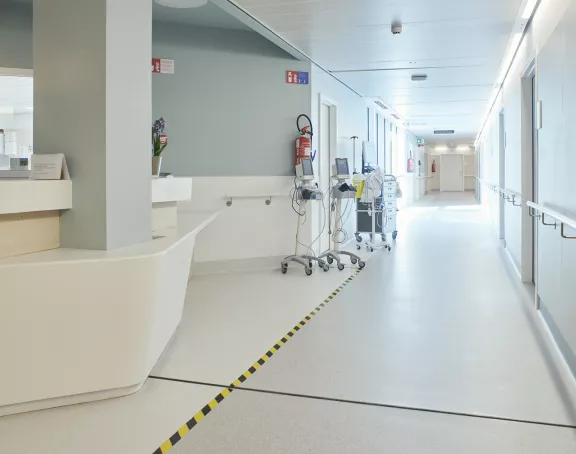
pixel 372 404
pixel 236 384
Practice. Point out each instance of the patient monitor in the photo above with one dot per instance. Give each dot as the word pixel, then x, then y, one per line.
pixel 304 170
pixel 341 170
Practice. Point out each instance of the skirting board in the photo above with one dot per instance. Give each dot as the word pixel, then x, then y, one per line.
pixel 25 233
pixel 234 266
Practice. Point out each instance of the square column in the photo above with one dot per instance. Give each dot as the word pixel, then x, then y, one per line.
pixel 93 102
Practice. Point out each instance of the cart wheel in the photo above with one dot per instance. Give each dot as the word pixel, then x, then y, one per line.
pixel 383 237
pixel 358 247
pixel 361 264
pixel 353 260
pixel 370 236
pixel 326 268
pixel 394 235
pixel 341 266
pixel 371 249
pixel 358 238
pixel 308 271
pixel 284 269
pixel 330 260
pixel 310 264
pixel 389 248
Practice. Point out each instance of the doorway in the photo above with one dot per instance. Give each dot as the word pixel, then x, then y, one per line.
pixel 326 155
pixel 452 175
pixel 502 173
pixel 529 164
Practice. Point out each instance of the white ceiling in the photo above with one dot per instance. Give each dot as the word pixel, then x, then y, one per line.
pixel 459 44
pixel 16 95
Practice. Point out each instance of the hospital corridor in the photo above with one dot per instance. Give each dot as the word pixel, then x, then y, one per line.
pixel 287 227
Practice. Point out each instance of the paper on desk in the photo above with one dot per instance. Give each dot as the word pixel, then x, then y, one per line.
pixel 49 167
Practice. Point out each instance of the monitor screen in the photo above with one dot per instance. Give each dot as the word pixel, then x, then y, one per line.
pixel 307 169
pixel 369 153
pixel 342 166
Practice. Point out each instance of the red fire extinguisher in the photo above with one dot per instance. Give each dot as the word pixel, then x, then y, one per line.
pixel 434 166
pixel 410 163
pixel 304 142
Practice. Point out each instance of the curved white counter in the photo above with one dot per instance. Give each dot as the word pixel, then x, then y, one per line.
pixel 82 325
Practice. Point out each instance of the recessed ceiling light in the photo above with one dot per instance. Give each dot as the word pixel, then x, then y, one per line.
pixel 182 3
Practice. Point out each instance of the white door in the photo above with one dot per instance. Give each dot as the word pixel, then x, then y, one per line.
pixel 452 174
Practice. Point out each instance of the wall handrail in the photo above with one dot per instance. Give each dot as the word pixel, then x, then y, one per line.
pixel 564 220
pixel 507 194
pixel 268 197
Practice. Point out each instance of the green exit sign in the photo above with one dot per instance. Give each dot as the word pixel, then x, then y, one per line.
pixel 420 141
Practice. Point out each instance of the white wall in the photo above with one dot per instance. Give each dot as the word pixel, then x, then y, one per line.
pixel 550 38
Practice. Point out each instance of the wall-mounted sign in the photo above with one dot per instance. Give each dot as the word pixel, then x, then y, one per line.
pixel 297 77
pixel 162 66
pixel 420 141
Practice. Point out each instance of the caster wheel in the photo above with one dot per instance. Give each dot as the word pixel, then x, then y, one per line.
pixel 389 248
pixel 395 235
pixel 383 237
pixel 308 271
pixel 370 236
pixel 310 264
pixel 284 269
pixel 326 268
pixel 341 267
pixel 371 249
pixel 358 247
pixel 353 261
pixel 358 238
pixel 361 264
pixel 330 260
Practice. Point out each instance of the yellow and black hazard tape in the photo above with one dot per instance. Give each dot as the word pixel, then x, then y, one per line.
pixel 169 444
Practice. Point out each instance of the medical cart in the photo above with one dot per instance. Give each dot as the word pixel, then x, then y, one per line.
pixel 378 217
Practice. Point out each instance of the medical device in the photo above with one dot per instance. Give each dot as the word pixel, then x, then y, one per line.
pixel 369 157
pixel 305 170
pixel 305 190
pixel 341 190
pixel 374 209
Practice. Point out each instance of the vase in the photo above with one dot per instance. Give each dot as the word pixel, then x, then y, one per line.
pixel 156 165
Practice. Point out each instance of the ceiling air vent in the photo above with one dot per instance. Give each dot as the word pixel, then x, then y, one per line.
pixel 419 77
pixel 381 105
pixel 443 131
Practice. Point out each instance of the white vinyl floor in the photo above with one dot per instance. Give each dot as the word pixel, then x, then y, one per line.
pixel 434 348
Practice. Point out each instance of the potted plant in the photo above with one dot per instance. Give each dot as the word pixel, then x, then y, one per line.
pixel 159 144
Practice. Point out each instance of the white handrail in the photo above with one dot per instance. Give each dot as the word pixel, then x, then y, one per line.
pixel 268 197
pixel 506 194
pixel 558 217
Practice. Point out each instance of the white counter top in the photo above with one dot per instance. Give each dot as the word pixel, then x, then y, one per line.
pixel 171 189
pixel 24 196
pixel 197 221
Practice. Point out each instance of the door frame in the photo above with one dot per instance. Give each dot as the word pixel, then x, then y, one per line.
pixel 502 174
pixel 529 172
pixel 442 166
pixel 325 163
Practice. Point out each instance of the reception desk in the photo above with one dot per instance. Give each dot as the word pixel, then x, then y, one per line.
pixel 80 325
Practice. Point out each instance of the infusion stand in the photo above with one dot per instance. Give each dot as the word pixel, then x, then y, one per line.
pixel 341 174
